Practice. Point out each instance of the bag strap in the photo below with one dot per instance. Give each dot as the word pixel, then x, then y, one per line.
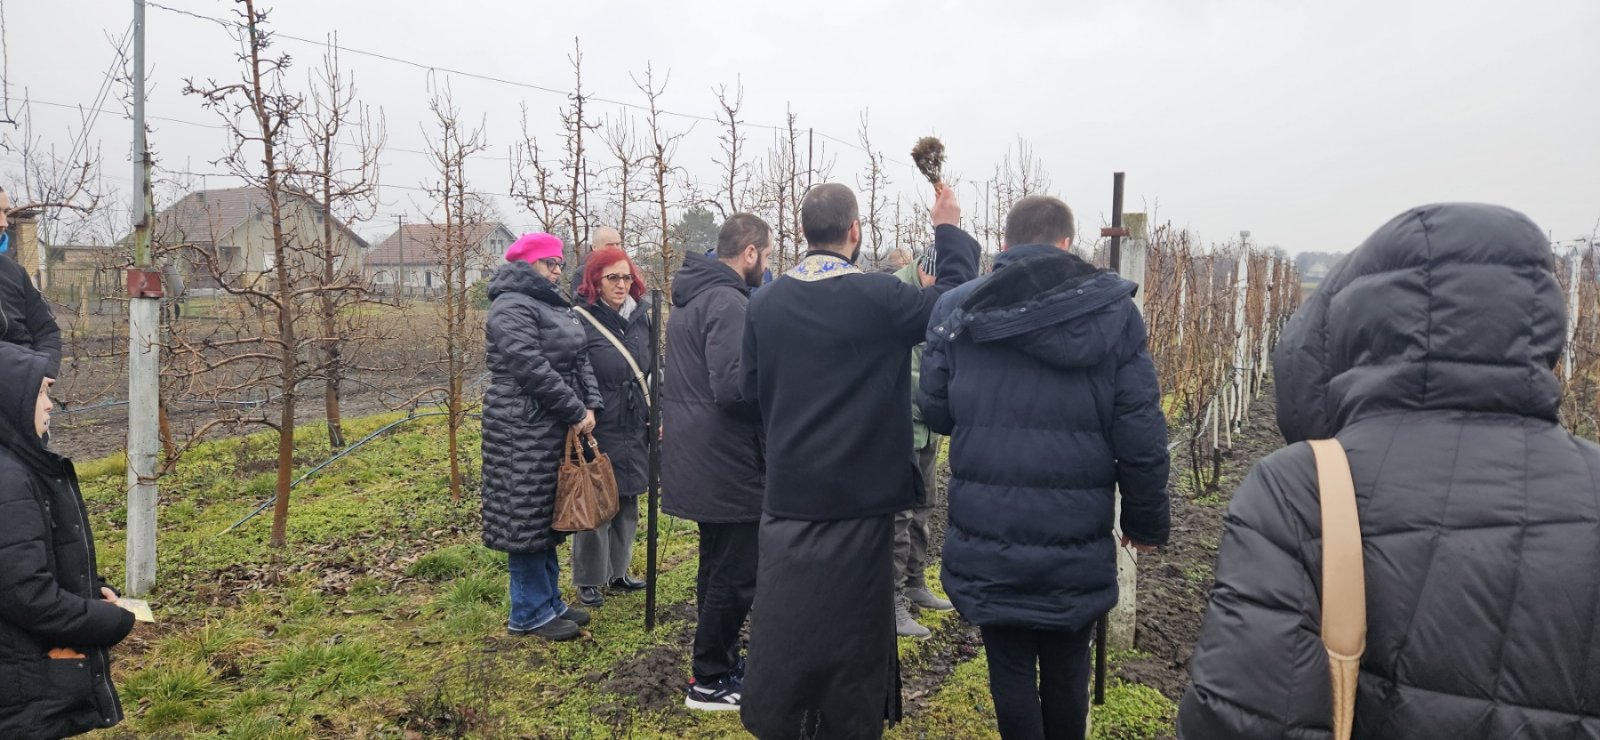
pixel 638 375
pixel 574 449
pixel 1344 594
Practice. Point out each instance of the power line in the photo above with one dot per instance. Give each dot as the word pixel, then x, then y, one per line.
pixel 512 83
pixel 94 114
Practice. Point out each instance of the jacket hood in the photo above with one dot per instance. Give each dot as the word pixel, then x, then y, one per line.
pixel 520 277
pixel 21 372
pixel 701 273
pixel 1049 304
pixel 1446 307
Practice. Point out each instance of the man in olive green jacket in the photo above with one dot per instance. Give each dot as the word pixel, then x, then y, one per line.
pixel 911 526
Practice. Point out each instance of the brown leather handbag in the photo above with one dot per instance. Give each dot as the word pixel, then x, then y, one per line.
pixel 586 488
pixel 1344 581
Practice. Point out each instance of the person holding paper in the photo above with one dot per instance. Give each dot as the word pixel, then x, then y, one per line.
pixel 58 618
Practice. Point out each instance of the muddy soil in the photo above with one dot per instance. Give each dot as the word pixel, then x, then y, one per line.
pixel 1175 581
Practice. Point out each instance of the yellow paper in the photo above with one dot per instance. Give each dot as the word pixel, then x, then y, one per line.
pixel 141 609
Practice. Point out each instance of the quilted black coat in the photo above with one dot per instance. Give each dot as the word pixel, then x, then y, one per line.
pixel 49 589
pixel 1428 354
pixel 1040 375
pixel 622 429
pixel 540 384
pixel 25 316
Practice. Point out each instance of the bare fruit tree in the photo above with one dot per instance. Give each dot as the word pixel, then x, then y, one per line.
pixel 735 179
pixel 344 187
pixel 623 142
pixel 455 250
pixel 660 150
pixel 534 183
pixel 875 188
pixel 575 124
pixel 269 331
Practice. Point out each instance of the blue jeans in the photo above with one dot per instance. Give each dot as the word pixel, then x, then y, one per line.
pixel 535 589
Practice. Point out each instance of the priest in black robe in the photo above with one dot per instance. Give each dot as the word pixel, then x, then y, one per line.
pixel 827 353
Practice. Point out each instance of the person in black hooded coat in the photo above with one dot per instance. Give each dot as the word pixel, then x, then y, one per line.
pixel 1041 375
pixel 58 618
pixel 1428 355
pixel 25 317
pixel 612 292
pixel 713 456
pixel 541 385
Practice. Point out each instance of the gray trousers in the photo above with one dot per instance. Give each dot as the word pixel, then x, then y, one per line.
pixel 911 525
pixel 602 555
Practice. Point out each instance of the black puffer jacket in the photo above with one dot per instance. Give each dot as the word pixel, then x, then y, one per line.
pixel 1040 374
pixel 49 590
pixel 1428 354
pixel 25 317
pixel 713 463
pixel 622 429
pixel 540 384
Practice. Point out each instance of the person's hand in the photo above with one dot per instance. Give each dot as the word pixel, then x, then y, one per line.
pixel 107 594
pixel 946 209
pixel 1140 548
pixel 587 425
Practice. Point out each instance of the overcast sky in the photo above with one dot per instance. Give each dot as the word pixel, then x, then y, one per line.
pixel 1309 124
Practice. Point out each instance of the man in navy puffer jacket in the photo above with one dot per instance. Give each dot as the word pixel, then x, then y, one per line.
pixel 1040 374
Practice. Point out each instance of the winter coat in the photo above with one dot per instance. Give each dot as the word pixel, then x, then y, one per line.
pixel 1041 375
pixel 827 351
pixel 622 429
pixel 920 435
pixel 49 588
pixel 1428 355
pixel 540 384
pixel 25 317
pixel 713 463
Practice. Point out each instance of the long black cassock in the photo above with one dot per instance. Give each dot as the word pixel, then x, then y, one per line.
pixel 827 352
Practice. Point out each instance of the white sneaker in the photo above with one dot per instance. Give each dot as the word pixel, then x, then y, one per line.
pixel 721 696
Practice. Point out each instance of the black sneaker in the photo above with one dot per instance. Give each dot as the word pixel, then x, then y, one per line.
pixel 717 696
pixel 591 596
pixel 555 630
pixel 628 584
pixel 576 616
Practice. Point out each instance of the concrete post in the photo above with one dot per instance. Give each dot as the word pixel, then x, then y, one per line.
pixel 1124 616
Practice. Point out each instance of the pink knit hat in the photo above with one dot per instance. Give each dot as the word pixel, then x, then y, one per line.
pixel 533 247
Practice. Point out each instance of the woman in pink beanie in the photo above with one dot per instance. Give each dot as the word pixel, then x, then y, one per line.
pixel 541 385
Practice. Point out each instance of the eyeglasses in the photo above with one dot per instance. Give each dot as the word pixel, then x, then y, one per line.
pixel 553 264
pixel 623 278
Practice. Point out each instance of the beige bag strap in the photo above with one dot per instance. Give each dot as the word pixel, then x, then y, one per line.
pixel 638 374
pixel 1344 581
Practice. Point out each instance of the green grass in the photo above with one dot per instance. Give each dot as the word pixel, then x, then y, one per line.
pixel 111 465
pixel 1133 712
pixel 386 615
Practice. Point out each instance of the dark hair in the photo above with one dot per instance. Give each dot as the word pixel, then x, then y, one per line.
pixel 597 262
pixel 742 230
pixel 1039 219
pixel 826 214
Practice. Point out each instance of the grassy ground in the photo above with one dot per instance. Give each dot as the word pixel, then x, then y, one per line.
pixel 384 617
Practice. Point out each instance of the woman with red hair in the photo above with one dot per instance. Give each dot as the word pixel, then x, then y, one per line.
pixel 611 297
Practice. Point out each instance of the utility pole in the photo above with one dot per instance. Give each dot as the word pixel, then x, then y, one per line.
pixel 811 156
pixel 144 306
pixel 400 233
